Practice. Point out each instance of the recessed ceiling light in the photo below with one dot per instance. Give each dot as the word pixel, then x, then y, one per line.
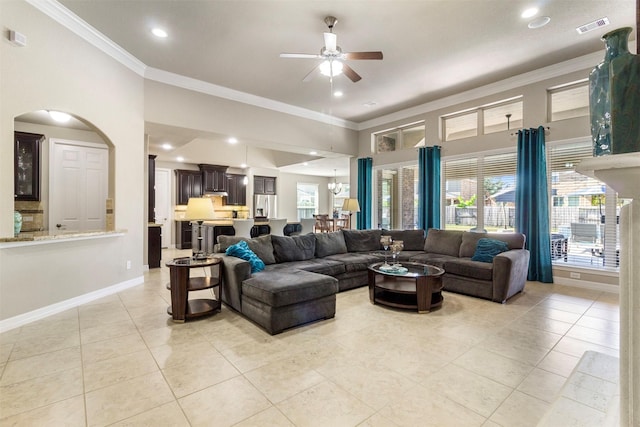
pixel 337 93
pixel 539 22
pixel 232 140
pixel 159 32
pixel 305 164
pixel 243 165
pixel 313 153
pixel 59 116
pixel 180 159
pixel 528 13
pixel 167 146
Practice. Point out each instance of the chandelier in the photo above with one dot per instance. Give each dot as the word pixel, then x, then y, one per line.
pixel 335 187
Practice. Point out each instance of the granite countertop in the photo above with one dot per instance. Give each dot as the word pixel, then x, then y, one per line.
pixel 41 236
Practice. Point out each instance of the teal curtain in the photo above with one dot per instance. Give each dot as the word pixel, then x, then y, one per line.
pixel 365 193
pixel 429 187
pixel 532 202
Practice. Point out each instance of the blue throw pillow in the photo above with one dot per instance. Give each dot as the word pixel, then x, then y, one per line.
pixel 488 248
pixel 241 250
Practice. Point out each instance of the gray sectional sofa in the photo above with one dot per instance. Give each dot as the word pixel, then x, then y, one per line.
pixel 304 273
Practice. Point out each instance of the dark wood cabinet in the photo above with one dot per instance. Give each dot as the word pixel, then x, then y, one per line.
pixel 214 178
pixel 264 185
pixel 154 246
pixel 237 190
pixel 188 184
pixel 183 234
pixel 26 166
pixel 152 190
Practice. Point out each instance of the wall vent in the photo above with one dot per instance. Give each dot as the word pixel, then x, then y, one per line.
pixel 602 22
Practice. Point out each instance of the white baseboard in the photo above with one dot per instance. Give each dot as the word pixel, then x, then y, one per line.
pixel 41 313
pixel 596 286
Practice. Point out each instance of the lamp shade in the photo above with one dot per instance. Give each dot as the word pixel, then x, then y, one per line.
pixel 199 209
pixel 351 205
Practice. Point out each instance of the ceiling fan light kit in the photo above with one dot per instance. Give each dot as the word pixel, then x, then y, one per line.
pixel 333 57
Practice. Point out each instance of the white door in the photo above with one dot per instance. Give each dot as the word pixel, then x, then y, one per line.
pixel 163 204
pixel 78 186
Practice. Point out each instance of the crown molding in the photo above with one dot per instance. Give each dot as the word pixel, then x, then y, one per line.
pixel 196 85
pixel 74 23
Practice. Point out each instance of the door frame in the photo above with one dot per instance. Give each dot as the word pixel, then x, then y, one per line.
pixel 167 230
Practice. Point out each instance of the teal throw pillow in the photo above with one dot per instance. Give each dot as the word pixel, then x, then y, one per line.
pixel 488 248
pixel 241 250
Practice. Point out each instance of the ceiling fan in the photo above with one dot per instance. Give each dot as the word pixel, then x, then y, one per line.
pixel 333 56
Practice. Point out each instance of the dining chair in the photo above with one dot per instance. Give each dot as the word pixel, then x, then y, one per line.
pixel 322 223
pixel 276 226
pixel 243 227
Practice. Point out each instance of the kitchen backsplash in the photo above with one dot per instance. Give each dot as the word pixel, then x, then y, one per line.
pixel 221 210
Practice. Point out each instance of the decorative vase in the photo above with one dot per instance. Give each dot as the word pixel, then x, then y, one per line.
pixel 625 98
pixel 600 90
pixel 17 222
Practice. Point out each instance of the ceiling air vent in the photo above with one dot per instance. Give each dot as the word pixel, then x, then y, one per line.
pixel 593 25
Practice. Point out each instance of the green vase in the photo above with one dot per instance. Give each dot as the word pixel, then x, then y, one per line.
pixel 17 222
pixel 625 98
pixel 600 91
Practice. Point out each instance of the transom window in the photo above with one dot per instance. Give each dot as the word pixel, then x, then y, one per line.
pixel 491 118
pixel 568 101
pixel 402 138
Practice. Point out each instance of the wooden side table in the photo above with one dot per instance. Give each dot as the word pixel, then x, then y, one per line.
pixel 182 308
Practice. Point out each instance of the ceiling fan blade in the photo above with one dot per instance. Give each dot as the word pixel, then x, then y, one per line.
pixel 330 42
pixel 311 74
pixel 300 55
pixel 362 55
pixel 348 71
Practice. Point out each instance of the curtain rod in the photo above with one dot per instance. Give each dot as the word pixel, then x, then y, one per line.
pixel 546 128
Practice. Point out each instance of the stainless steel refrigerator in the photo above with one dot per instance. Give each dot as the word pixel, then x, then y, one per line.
pixel 265 206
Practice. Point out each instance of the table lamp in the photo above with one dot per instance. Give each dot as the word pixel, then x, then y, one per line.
pixel 199 209
pixel 351 205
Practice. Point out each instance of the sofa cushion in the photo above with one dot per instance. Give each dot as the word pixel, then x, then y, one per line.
pixel 281 288
pixel 489 248
pixel 362 240
pixel 330 244
pixel 241 250
pixel 260 245
pixel 467 268
pixel 314 265
pixel 413 240
pixel 445 242
pixel 294 248
pixel 354 261
pixel 470 241
pixel 432 259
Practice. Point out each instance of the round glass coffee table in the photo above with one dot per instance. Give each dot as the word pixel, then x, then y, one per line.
pixel 410 285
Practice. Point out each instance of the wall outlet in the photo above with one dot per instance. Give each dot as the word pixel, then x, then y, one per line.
pixel 129 265
pixel 574 275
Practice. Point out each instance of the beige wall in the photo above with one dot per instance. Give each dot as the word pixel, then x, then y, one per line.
pixel 57 70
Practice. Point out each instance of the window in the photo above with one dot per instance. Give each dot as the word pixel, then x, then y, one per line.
pixel 460 126
pixel 502 117
pixel 499 191
pixel 406 137
pixel 461 193
pixel 307 200
pixel 397 197
pixel 583 213
pixel 496 117
pixel 568 101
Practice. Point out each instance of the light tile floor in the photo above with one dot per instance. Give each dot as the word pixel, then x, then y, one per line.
pixel 121 361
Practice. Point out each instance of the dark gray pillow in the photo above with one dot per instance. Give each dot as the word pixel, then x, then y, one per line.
pixel 362 240
pixel 261 246
pixel 413 240
pixel 295 248
pixel 445 242
pixel 330 244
